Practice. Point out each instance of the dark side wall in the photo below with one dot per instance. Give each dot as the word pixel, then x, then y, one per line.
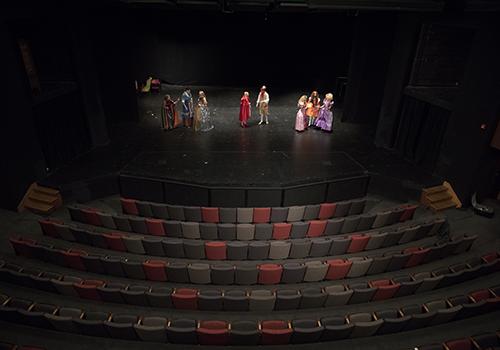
pixel 306 50
pixel 466 157
pixel 463 156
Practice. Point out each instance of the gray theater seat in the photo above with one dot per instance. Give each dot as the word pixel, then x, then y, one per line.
pixel 210 300
pixel 299 229
pixel 300 248
pixel 293 273
pixel 287 299
pixel 222 274
pixel 152 329
pixel 235 300
pixel 261 300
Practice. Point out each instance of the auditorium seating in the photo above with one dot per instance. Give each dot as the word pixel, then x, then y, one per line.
pixel 244 276
pixel 330 295
pixel 131 326
pixel 250 223
pixel 256 250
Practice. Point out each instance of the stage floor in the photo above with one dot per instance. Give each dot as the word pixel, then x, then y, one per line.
pixel 244 169
pixel 228 154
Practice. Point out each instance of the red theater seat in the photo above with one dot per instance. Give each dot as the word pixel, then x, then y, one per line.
pixel 210 214
pixel 115 241
pixel 459 344
pixel 185 298
pixel 20 246
pixel 215 250
pixel 358 243
pixel 385 289
pixel 155 270
pixel 261 215
pixel 337 269
pixel 155 227
pixel 129 206
pixel 270 273
pixel 326 210
pixel 48 228
pixel 482 294
pixel 73 259
pixel 91 216
pixel 213 332
pixel 408 213
pixel 281 230
pixel 316 228
pixel 275 332
pixel 87 289
pixel 418 255
pixel 490 257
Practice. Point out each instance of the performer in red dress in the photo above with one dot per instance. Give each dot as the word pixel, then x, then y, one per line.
pixel 244 109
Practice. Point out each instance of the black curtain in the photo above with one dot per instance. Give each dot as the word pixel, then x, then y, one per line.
pixel 421 130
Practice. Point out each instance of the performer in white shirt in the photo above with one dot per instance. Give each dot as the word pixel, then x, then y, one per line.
pixel 263 105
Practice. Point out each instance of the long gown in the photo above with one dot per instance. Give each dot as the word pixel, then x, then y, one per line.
pixel 244 109
pixel 203 120
pixel 168 115
pixel 312 109
pixel 187 105
pixel 325 117
pixel 301 118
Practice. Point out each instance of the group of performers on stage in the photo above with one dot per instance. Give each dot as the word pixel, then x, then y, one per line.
pixel 262 104
pixel 311 112
pixel 197 116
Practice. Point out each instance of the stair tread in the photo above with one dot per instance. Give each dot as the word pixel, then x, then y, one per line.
pixel 443 205
pixel 46 190
pixel 438 196
pixel 40 206
pixel 435 189
pixel 41 197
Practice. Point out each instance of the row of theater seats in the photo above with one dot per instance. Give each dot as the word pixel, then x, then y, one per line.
pixel 238 250
pixel 243 215
pixel 250 300
pixel 9 346
pixel 268 273
pixel 483 341
pixel 246 332
pixel 241 231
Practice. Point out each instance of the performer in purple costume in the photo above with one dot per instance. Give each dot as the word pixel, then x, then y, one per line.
pixel 325 117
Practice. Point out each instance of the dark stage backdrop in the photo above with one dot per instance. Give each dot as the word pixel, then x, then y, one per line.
pixel 292 50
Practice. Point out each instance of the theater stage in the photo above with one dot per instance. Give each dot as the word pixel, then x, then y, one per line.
pixel 273 157
pixel 238 179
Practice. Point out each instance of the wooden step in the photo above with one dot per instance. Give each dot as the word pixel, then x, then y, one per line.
pixel 39 207
pixel 44 198
pixel 442 205
pixel 435 189
pixel 46 190
pixel 438 196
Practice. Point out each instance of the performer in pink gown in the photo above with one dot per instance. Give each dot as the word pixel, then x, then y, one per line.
pixel 301 119
pixel 244 109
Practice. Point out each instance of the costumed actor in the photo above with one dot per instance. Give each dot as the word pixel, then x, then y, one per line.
pixel 187 107
pixel 168 113
pixel 244 109
pixel 263 105
pixel 325 117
